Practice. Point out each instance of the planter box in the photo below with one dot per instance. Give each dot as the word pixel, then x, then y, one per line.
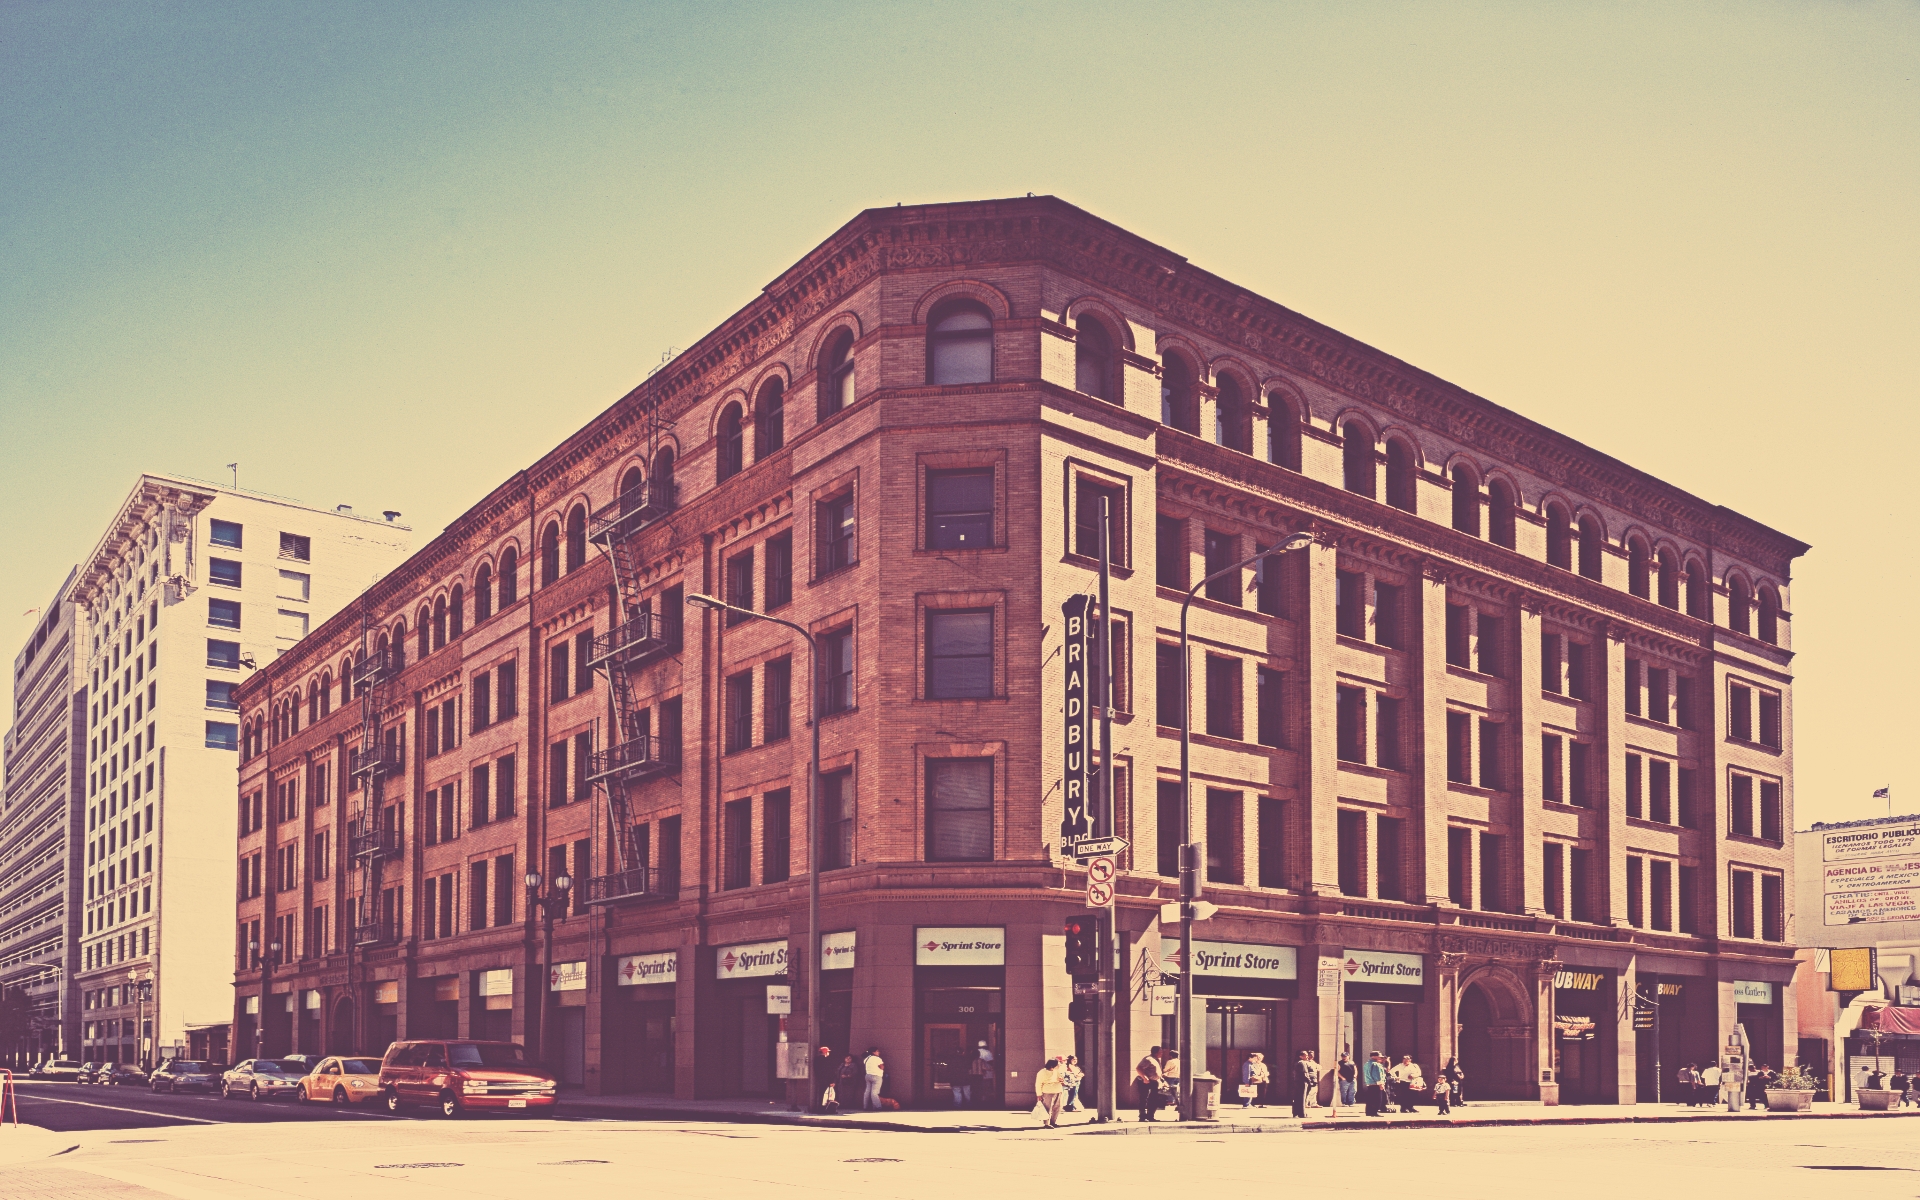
pixel 1789 1101
pixel 1876 1099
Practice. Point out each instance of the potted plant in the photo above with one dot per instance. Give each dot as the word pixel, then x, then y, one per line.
pixel 1792 1091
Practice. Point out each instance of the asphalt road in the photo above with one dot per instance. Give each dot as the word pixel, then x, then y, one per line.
pixel 70 1107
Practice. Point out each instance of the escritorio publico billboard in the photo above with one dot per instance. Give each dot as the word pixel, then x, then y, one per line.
pixel 1870 876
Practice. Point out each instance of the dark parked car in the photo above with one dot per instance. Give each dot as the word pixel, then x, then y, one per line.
pixel 262 1079
pixel 460 1076
pixel 122 1075
pixel 184 1075
pixel 91 1072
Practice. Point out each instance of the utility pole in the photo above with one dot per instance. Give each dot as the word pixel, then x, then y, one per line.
pixel 1107 1030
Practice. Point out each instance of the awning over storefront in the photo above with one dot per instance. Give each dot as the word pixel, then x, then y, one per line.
pixel 1892 1020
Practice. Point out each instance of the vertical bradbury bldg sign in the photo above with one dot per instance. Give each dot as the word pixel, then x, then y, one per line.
pixel 1076 820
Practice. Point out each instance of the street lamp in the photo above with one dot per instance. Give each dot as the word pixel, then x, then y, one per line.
pixel 552 903
pixel 1189 851
pixel 815 1002
pixel 142 983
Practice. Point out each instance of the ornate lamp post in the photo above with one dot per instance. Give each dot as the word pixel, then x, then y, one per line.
pixel 552 904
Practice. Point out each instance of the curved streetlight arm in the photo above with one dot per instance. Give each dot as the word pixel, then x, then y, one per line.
pixel 1189 864
pixel 816 1003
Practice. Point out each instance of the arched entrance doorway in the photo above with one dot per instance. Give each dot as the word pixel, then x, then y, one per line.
pixel 340 1030
pixel 1496 1037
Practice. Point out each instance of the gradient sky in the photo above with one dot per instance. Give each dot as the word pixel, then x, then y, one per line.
pixel 386 254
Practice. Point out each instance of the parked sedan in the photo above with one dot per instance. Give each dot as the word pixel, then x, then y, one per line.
pixel 261 1079
pixel 184 1075
pixel 90 1072
pixel 341 1081
pixel 124 1074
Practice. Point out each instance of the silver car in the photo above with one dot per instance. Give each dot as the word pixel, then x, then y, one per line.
pixel 262 1079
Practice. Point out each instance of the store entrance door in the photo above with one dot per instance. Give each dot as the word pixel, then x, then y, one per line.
pixel 944 1050
pixel 1236 1029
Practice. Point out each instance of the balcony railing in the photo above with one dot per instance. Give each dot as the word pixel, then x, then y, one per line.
pixel 381 760
pixel 637 758
pixel 633 512
pixel 640 883
pixel 374 668
pixel 379 933
pixel 373 843
pixel 634 641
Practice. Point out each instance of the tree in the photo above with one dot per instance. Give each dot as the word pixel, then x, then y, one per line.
pixel 16 1019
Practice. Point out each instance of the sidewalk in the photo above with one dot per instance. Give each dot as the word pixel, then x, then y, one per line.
pixel 1233 1119
pixel 24 1143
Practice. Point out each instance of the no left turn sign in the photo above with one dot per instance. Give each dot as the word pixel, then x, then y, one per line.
pixel 1100 870
pixel 1099 895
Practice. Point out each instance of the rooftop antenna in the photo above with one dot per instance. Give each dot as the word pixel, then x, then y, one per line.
pixel 235 468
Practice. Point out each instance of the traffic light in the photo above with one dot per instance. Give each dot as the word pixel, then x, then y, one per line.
pixel 1083 940
pixel 1081 1010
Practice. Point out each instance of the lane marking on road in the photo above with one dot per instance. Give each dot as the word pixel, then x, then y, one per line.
pixel 143 1112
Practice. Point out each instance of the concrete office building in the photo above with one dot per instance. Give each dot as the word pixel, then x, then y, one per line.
pixel 1511 737
pixel 192 588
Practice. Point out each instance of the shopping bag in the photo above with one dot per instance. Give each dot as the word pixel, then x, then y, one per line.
pixel 1249 1091
pixel 1040 1109
pixel 827 1097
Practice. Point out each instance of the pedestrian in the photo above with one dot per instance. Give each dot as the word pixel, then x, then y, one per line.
pixel 875 1069
pixel 1456 1082
pixel 1685 1080
pixel 1349 1076
pixel 1408 1082
pixel 848 1085
pixel 1373 1077
pixel 1306 1077
pixel 1442 1092
pixel 1049 1089
pixel 1146 1084
pixel 1710 1085
pixel 1897 1083
pixel 824 1072
pixel 1254 1077
pixel 1071 1076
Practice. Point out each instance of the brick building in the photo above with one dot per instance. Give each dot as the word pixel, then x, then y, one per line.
pixel 1510 737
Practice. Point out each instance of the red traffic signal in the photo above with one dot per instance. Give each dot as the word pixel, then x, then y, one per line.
pixel 1083 942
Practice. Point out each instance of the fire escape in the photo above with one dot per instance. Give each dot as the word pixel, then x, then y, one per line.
pixel 373 830
pixel 641 634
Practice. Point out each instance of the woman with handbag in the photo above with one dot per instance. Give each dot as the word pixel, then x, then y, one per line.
pixel 1254 1077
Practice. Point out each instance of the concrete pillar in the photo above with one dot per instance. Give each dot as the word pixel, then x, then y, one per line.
pixel 1523 726
pixel 1430 756
pixel 1445 1035
pixel 1626 1059
pixel 1546 1074
pixel 1319 766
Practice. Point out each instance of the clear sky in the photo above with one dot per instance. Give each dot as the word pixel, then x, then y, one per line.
pixel 386 254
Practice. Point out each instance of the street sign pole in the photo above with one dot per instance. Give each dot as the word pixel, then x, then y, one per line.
pixel 1107 1029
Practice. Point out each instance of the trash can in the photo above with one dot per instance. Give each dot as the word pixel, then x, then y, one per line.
pixel 1206 1097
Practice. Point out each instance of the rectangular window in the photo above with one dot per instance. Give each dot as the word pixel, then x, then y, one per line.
pixel 223 654
pixel 1350 733
pixel 739 701
pixel 1223 697
pixel 1633 687
pixel 1551 768
pixel 1636 901
pixel 1580 773
pixel 505 786
pixel 223 571
pixel 1684 797
pixel 583 661
pixel 1489 754
pixel 223 735
pixel 1740 904
pixel 779 571
pixel 1460 866
pixel 1553 880
pixel 1635 787
pixel 290 626
pixel 1770 814
pixel 1170 688
pixel 1389 858
pixel 673 611
pixel 224 533
pixel 223 613
pixel 1267 596
pixel 1224 856
pixel 836 518
pixel 482 691
pixel 1087 495
pixel 1493 882
pixel 1222 550
pixel 220 695
pixel 737 844
pixel 669 869
pixel 1551 675
pixel 1167 827
pixel 1349 604
pixel 1458 646
pixel 1386 733
pixel 1579 670
pixel 1170 553
pixel 295 585
pixel 776 836
pixel 1660 791
pixel 1487 643
pixel 296 546
pixel 1350 846
pixel 559 672
pixel 1580 881
pixel 1459 747
pixel 960 509
pixel 960 654
pixel 582 765
pixel 1388 619
pixel 1268 730
pixel 836 671
pixel 480 792
pixel 1683 704
pixel 1740 804
pixel 1770 720
pixel 1773 917
pixel 1272 844
pixel 1689 881
pixel 504 884
pixel 740 585
pixel 777 682
pixel 557 773
pixel 509 689
pixel 1658 698
pixel 1660 892
pixel 837 812
pixel 959 809
pixel 1120 662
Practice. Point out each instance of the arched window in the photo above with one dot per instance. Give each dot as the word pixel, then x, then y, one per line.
pixel 1591 540
pixel 1740 607
pixel 1466 500
pixel 1501 505
pixel 1359 469
pixel 770 419
pixel 439 622
pixel 1769 631
pixel 1559 538
pixel 1637 572
pixel 384 653
pixel 509 577
pixel 1698 603
pixel 662 490
pixel 293 715
pixel 576 538
pixel 836 374
pixel 346 681
pixel 457 612
pixel 482 593
pixel 423 633
pixel 1669 579
pixel 1095 367
pixel 1232 419
pixel 1179 395
pixel 1283 432
pixel 550 554
pixel 732 443
pixel 313 702
pixel 960 344
pixel 1400 475
pixel 633 492
pixel 326 693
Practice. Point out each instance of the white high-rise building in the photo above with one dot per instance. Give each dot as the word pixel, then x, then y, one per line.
pixel 192 587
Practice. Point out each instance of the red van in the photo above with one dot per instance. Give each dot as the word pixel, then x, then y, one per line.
pixel 460 1075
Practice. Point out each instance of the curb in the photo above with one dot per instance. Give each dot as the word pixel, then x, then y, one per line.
pixel 617 1112
pixel 1675 1119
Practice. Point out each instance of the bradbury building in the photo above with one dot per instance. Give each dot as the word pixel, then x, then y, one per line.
pixel 1509 738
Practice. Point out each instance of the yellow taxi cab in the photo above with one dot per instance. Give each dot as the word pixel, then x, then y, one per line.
pixel 341 1080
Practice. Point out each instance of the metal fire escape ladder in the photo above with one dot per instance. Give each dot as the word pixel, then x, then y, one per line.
pixel 369 841
pixel 638 636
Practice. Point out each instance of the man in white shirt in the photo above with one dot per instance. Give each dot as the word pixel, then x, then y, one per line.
pixel 876 1069
pixel 1407 1081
